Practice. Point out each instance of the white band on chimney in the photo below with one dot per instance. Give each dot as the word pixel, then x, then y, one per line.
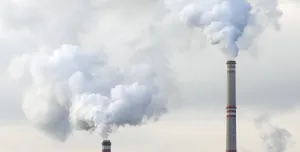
pixel 231 113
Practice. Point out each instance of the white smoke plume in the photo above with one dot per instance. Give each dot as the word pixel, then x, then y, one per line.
pixel 71 89
pixel 62 87
pixel 265 13
pixel 224 22
pixel 275 139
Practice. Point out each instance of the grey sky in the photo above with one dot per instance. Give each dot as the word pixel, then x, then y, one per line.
pixel 267 78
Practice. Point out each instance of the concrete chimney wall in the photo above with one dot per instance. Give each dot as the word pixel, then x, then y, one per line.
pixel 106 146
pixel 231 108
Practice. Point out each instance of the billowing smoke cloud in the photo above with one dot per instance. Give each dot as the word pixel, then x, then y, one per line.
pixel 224 22
pixel 71 89
pixel 275 139
pixel 264 14
pixel 64 89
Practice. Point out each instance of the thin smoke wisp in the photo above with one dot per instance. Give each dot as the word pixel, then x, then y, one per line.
pixel 275 139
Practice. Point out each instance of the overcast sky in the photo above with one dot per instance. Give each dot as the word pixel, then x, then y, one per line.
pixel 267 78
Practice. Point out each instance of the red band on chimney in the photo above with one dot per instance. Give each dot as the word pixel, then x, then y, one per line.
pixel 231 107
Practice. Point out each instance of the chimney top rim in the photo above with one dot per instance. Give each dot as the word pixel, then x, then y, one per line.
pixel 230 62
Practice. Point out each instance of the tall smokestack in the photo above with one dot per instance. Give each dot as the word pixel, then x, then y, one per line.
pixel 231 108
pixel 106 146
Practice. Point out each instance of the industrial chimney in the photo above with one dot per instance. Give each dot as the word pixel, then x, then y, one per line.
pixel 106 146
pixel 231 108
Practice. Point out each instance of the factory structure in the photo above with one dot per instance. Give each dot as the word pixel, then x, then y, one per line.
pixel 230 112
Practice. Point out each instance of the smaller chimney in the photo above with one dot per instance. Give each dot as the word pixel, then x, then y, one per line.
pixel 106 146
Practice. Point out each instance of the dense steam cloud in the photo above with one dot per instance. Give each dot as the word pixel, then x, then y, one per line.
pixel 275 139
pixel 225 22
pixel 231 24
pixel 70 89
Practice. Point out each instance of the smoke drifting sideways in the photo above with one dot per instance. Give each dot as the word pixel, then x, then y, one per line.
pixel 70 89
pixel 230 24
pixel 275 139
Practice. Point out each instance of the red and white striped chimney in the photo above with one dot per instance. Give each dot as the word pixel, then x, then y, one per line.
pixel 231 108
